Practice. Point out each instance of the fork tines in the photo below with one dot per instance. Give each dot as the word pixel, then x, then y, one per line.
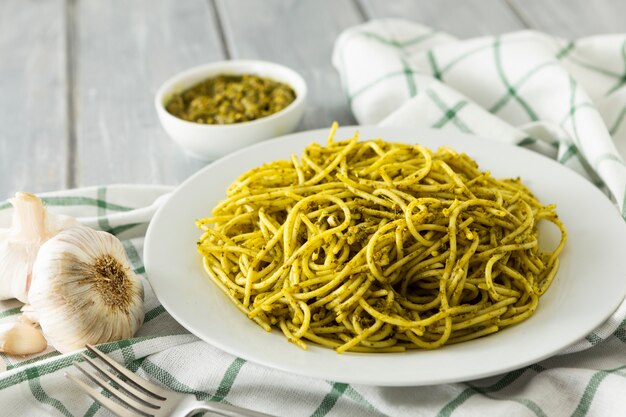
pixel 142 396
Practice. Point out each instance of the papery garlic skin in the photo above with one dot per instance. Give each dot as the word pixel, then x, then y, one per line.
pixel 32 225
pixel 19 338
pixel 84 290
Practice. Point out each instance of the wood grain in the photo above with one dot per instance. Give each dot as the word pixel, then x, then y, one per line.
pixel 462 18
pixel 124 51
pixel 33 115
pixel 573 18
pixel 301 35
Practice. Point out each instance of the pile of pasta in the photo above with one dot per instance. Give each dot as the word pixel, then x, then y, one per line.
pixel 372 246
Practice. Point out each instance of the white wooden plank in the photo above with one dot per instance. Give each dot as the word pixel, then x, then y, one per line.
pixel 33 116
pixel 300 35
pixel 125 50
pixel 462 18
pixel 573 18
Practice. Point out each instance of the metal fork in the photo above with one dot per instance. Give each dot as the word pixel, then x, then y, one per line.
pixel 141 398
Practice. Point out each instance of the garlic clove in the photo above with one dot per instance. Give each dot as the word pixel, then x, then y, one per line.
pixel 84 290
pixel 29 315
pixel 31 226
pixel 20 338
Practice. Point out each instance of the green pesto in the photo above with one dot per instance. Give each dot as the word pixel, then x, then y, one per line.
pixel 228 99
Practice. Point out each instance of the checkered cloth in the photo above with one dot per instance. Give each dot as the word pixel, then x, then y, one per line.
pixel 524 88
pixel 562 98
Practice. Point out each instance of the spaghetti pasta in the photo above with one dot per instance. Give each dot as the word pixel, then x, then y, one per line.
pixel 372 246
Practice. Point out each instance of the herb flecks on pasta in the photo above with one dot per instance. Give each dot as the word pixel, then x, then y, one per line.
pixel 372 246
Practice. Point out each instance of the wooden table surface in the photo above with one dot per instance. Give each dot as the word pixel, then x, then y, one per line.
pixel 77 77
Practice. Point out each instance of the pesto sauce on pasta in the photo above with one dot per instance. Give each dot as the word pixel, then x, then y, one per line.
pixel 374 246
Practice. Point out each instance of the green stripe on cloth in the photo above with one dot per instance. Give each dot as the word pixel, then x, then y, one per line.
pixel 448 111
pixel 103 221
pixel 134 257
pixel 433 65
pixel 620 334
pixel 95 407
pixel 75 201
pixel 172 382
pixel 33 360
pixel 84 201
pixel 328 402
pixel 169 380
pixel 594 339
pixel 595 178
pixel 470 53
pixel 618 121
pixel 502 383
pixel 527 141
pixel 624 208
pixel 622 81
pixel 127 351
pixel 574 109
pixel 592 67
pixel 531 405
pixel 510 88
pixel 10 312
pixel 462 57
pixel 359 399
pixel 450 114
pixel 154 313
pixel 607 157
pixel 353 96
pixel 568 154
pixel 122 228
pixel 40 394
pixel 63 362
pixel 408 73
pixel 47 368
pixel 228 380
pixel 500 103
pixel 563 52
pixel 591 390
pixel 398 44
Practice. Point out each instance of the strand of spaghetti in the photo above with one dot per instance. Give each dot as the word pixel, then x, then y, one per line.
pixel 334 163
pixel 497 295
pixel 240 306
pixel 437 343
pixel 358 339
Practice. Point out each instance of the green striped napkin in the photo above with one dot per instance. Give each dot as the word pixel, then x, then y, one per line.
pixel 565 99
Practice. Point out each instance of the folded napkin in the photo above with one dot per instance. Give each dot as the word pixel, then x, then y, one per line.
pixel 395 73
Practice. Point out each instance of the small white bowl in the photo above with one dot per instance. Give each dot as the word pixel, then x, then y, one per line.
pixel 210 142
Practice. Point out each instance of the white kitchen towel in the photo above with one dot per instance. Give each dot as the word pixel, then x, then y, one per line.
pixel 563 98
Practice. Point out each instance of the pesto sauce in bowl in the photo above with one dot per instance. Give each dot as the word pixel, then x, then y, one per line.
pixel 230 99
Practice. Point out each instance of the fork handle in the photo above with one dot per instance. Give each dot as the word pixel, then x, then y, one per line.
pixel 223 409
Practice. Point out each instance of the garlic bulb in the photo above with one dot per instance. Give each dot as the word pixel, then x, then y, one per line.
pixel 32 225
pixel 20 338
pixel 84 290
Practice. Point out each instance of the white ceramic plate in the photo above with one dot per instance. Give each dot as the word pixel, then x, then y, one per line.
pixel 588 288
